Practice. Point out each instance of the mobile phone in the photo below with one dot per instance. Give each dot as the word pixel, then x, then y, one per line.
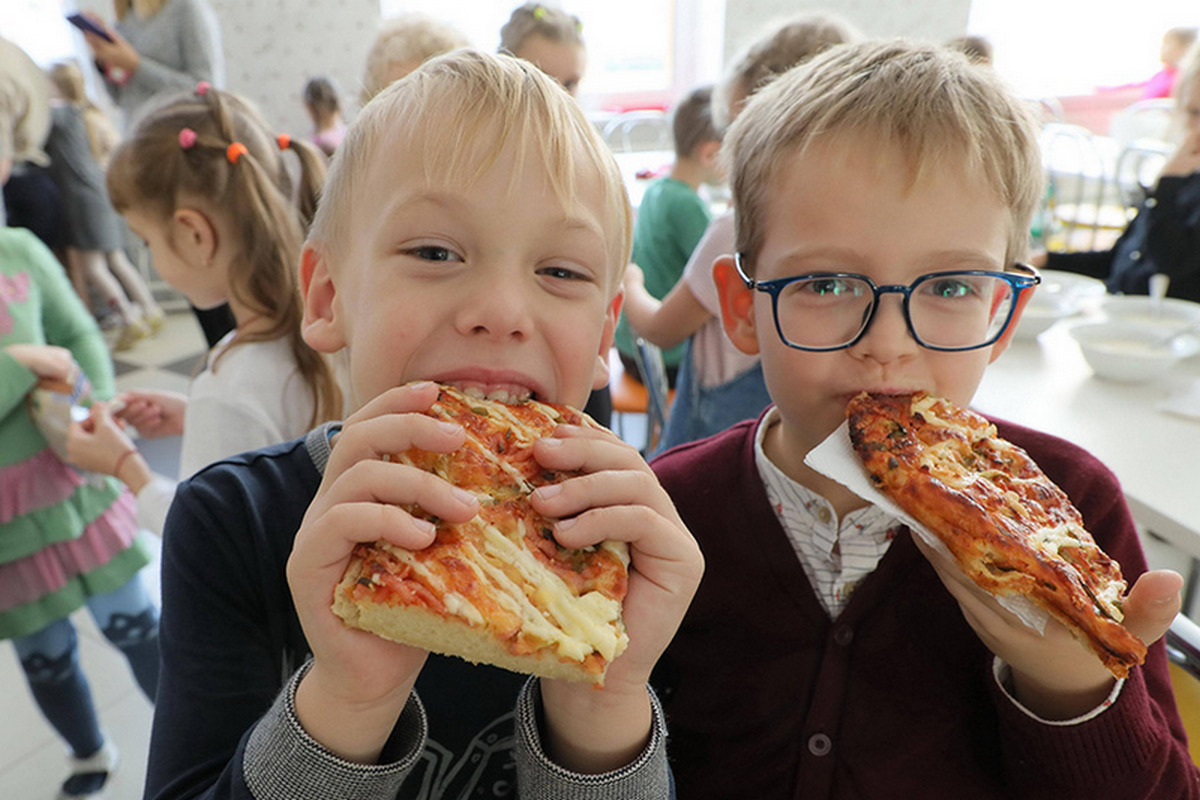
pixel 85 24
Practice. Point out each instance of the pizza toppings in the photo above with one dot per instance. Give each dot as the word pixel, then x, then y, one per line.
pixel 1007 525
pixel 498 588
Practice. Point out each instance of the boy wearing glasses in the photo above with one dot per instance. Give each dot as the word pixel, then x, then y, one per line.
pixel 883 194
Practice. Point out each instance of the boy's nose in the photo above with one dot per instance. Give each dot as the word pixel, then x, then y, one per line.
pixel 495 308
pixel 887 337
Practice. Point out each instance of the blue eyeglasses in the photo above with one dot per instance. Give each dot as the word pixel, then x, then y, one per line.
pixel 951 311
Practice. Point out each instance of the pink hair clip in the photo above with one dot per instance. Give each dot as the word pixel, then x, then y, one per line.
pixel 187 138
pixel 202 88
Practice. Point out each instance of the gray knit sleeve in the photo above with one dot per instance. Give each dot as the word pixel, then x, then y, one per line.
pixel 282 762
pixel 646 778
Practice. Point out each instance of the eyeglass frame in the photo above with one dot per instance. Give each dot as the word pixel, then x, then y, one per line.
pixel 1018 282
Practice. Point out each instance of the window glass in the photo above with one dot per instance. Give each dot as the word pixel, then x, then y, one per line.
pixel 1073 47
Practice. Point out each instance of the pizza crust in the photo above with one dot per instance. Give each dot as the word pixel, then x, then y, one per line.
pixel 420 627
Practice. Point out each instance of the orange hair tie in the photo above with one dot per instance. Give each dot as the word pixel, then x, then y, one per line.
pixel 235 151
pixel 284 141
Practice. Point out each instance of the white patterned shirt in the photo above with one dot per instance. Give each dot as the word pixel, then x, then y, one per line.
pixel 836 554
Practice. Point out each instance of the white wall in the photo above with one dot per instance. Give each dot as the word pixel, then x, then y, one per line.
pixel 928 20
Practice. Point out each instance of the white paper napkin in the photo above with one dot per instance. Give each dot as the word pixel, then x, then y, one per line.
pixel 835 458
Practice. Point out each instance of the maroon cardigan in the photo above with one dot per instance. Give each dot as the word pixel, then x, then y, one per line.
pixel 767 697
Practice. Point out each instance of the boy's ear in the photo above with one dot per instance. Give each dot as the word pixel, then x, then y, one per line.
pixel 737 306
pixel 194 236
pixel 708 152
pixel 322 323
pixel 1006 338
pixel 611 315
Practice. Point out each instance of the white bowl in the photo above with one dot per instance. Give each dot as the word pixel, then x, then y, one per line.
pixel 1173 314
pixel 1125 351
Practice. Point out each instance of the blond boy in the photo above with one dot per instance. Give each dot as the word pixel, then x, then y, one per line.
pixel 473 232
pixel 826 655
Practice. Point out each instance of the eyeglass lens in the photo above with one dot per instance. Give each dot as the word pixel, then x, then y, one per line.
pixel 949 310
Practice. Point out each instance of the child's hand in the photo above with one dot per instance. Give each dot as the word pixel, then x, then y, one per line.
pixel 153 413
pixel 44 360
pixel 618 498
pixel 358 685
pixel 1054 675
pixel 634 278
pixel 115 54
pixel 100 445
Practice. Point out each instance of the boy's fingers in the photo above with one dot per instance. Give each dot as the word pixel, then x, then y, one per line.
pixel 388 484
pixel 578 449
pixel 1152 604
pixel 656 539
pixel 604 489
pixel 373 439
pixel 351 523
pixel 400 400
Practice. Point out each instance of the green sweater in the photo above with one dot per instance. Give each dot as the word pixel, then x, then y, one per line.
pixel 38 306
pixel 671 220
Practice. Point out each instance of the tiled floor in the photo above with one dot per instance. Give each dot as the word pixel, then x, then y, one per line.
pixel 32 759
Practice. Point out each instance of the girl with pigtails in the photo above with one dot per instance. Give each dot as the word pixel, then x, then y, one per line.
pixel 202 180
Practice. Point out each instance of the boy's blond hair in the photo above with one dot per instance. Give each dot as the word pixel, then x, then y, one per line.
pixel 460 111
pixel 408 38
pixel 930 102
pixel 783 47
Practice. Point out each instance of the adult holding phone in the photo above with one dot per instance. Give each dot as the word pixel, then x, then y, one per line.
pixel 157 47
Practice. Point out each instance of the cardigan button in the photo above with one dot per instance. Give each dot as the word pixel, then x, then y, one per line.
pixel 819 744
pixel 843 635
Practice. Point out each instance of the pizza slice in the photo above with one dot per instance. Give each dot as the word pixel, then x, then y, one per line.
pixel 497 589
pixel 1008 526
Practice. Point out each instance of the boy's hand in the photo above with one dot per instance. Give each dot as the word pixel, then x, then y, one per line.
pixel 44 360
pixel 153 413
pixel 618 498
pixel 1055 675
pixel 359 683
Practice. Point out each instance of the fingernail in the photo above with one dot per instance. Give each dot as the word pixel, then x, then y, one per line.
pixel 463 496
pixel 550 441
pixel 450 427
pixel 425 526
pixel 546 492
pixel 565 524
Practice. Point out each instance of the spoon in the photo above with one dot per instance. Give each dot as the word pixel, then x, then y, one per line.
pixel 1158 290
pixel 1163 341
